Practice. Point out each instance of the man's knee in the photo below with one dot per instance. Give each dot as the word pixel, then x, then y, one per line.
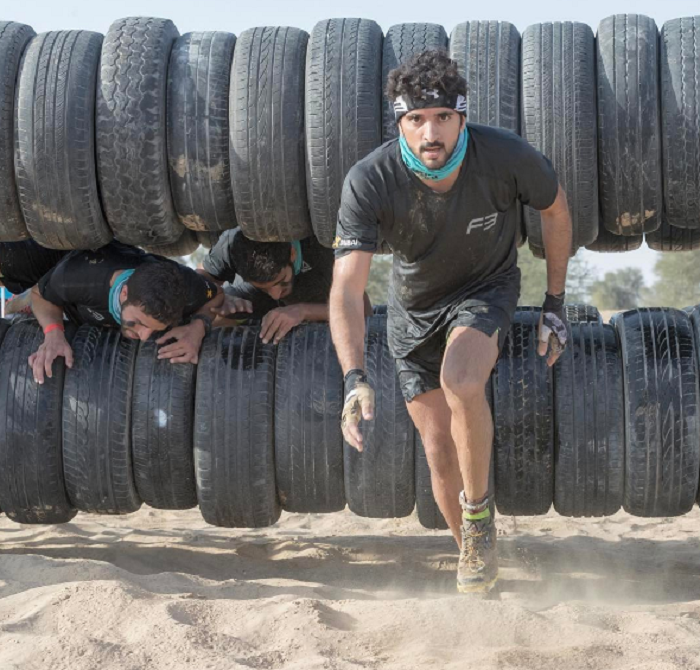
pixel 463 385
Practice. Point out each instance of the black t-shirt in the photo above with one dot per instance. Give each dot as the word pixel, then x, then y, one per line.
pixel 23 264
pixel 80 283
pixel 447 246
pixel 311 285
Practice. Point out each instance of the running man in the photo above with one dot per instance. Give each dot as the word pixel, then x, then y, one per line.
pixel 445 197
pixel 119 286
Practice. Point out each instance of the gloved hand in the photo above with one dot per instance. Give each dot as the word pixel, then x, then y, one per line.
pixel 359 404
pixel 553 329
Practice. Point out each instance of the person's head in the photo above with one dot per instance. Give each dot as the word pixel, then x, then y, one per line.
pixel 269 266
pixel 428 95
pixel 152 300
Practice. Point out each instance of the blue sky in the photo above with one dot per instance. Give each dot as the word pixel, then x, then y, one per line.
pixel 237 15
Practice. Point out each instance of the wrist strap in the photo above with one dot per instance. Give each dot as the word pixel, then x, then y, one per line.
pixel 54 326
pixel 206 320
pixel 353 376
pixel 553 302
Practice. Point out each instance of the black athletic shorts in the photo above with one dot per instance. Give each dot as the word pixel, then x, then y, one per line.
pixel 419 372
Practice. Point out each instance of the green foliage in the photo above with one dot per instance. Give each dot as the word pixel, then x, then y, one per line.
pixel 379 278
pixel 622 289
pixel 678 280
pixel 533 278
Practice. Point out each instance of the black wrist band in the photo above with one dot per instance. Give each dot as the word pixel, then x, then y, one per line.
pixel 206 320
pixel 553 303
pixel 353 376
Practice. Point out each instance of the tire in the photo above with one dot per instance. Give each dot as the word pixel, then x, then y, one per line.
pixel 401 42
pixel 308 407
pixel 343 111
pixel 582 314
pixel 186 245
pixel 268 164
pixel 559 119
pixel 234 431
pixel 380 481
pixel 198 130
pixel 589 447
pixel 610 243
pixel 680 121
pixel 629 135
pixel 429 514
pixel 670 238
pixel 161 430
pixel 208 239
pixel 32 486
pixel 661 411
pixel 55 141
pixel 527 315
pixel 488 56
pixel 523 430
pixel 14 38
pixel 132 160
pixel 97 398
pixel 4 327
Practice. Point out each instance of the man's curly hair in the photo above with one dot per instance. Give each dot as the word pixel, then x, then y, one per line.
pixel 159 289
pixel 431 69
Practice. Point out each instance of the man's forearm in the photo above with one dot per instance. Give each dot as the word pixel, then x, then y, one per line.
pixel 46 312
pixel 315 311
pixel 556 236
pixel 347 318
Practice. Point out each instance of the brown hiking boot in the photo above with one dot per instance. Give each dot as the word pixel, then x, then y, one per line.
pixel 477 571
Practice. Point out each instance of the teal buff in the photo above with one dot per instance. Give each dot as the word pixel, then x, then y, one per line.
pixel 297 261
pixel 415 165
pixel 115 307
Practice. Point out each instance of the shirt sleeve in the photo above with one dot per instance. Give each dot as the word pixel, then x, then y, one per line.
pixel 358 220
pixel 218 262
pixel 535 178
pixel 200 290
pixel 64 284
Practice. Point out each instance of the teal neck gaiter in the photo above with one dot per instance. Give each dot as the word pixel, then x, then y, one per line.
pixel 414 164
pixel 115 307
pixel 298 260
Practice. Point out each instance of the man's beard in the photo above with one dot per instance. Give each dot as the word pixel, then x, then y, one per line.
pixel 433 145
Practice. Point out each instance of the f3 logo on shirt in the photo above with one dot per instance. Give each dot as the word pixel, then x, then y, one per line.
pixel 483 223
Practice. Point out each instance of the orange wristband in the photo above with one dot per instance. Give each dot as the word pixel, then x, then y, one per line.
pixel 54 326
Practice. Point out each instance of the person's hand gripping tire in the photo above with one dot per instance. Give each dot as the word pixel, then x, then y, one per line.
pixel 359 405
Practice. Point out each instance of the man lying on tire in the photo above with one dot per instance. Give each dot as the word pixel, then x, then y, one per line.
pixel 444 196
pixel 287 282
pixel 123 287
pixel 22 265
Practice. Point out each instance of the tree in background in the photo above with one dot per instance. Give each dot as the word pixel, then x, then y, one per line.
pixel 379 277
pixel 533 278
pixel 678 280
pixel 622 289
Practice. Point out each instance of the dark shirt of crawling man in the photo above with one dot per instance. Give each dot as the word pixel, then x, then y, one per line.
pixel 123 287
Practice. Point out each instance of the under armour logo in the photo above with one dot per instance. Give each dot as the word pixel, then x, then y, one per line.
pixel 434 93
pixel 483 222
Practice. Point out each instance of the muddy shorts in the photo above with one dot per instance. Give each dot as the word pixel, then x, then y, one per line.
pixel 419 372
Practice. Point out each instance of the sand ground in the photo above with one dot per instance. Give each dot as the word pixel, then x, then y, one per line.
pixel 163 590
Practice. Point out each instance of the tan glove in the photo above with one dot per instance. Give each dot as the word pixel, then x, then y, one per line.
pixel 359 404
